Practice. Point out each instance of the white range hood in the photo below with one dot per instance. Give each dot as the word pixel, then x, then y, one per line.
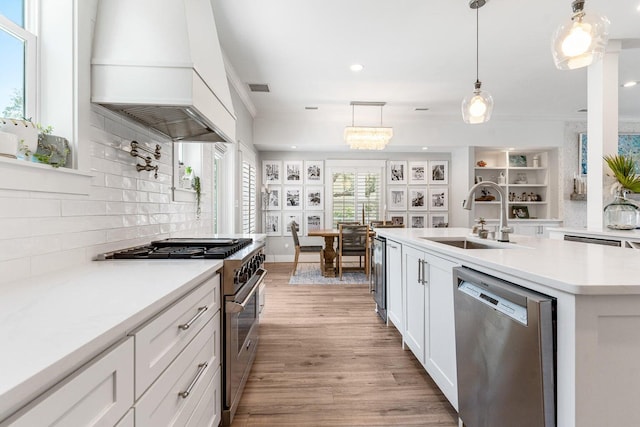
pixel 159 62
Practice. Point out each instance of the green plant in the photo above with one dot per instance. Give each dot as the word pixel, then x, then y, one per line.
pixel 196 186
pixel 188 170
pixel 624 171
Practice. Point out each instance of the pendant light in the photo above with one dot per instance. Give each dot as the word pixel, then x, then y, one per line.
pixel 582 40
pixel 367 137
pixel 477 107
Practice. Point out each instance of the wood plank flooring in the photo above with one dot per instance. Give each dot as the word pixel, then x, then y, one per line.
pixel 326 359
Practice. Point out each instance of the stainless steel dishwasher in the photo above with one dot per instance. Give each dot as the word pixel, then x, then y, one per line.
pixel 505 352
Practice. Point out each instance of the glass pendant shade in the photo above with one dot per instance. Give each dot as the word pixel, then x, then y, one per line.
pixel 580 41
pixel 367 138
pixel 477 107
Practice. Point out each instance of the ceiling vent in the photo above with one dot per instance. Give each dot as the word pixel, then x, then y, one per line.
pixel 259 87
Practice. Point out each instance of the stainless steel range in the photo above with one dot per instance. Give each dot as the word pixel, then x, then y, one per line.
pixel 242 274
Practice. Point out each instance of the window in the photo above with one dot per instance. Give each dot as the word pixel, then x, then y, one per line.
pixel 216 191
pixel 248 198
pixel 18 71
pixel 356 195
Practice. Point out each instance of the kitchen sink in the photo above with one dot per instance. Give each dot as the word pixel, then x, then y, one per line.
pixel 465 243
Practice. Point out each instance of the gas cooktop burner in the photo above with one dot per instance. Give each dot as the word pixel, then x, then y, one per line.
pixel 185 249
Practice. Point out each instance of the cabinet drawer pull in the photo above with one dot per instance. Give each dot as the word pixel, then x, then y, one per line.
pixel 201 368
pixel 200 312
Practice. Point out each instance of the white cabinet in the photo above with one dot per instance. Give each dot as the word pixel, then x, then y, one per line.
pixel 528 177
pixel 429 316
pixel 414 309
pixel 395 284
pixel 536 228
pixel 97 395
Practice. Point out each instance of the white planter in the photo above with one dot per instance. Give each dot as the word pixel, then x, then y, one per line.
pixel 8 145
pixel 26 132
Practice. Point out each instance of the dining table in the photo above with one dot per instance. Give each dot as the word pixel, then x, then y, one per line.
pixel 330 235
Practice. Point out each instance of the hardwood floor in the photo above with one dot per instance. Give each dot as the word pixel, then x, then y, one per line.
pixel 326 359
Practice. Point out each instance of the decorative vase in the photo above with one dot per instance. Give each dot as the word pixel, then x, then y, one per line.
pixel 26 132
pixel 621 214
pixel 56 149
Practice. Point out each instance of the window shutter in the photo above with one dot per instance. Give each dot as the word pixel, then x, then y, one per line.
pixel 355 192
pixel 248 198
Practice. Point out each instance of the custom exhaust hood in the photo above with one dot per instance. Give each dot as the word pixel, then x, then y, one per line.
pixel 159 63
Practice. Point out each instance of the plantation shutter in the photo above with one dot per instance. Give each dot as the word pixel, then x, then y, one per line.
pixel 354 192
pixel 248 198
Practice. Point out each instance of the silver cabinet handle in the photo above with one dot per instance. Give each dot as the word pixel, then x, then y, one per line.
pixel 419 271
pixel 201 368
pixel 392 246
pixel 200 312
pixel 425 281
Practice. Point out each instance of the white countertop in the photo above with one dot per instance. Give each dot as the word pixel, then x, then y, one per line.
pixel 573 267
pixel 50 324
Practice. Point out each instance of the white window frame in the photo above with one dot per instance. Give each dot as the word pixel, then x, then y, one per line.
pixel 30 39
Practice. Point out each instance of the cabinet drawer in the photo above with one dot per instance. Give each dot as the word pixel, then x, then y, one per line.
pixel 208 411
pixel 161 340
pixel 162 403
pixel 98 395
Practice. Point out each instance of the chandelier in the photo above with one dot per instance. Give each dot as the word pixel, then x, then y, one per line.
pixel 367 137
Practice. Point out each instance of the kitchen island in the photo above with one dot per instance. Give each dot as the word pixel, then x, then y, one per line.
pixel 598 314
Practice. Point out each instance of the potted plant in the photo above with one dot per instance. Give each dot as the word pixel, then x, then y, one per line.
pixel 198 190
pixel 621 214
pixel 52 150
pixel 624 171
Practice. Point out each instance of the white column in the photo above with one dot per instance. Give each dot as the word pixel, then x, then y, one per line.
pixel 602 128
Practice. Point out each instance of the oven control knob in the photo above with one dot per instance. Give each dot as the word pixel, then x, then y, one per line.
pixel 236 277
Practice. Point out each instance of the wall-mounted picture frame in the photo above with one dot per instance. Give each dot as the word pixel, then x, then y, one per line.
pixel 439 220
pixel 397 199
pixel 417 221
pixel 439 172
pixel 271 172
pixel 274 198
pixel 397 172
pixel 288 217
pixel 418 172
pixel 519 211
pixel 628 145
pixel 293 173
pixel 313 171
pixel 418 199
pixel 396 218
pixel 292 197
pixel 314 221
pixel 272 224
pixel 517 160
pixel 314 198
pixel 438 199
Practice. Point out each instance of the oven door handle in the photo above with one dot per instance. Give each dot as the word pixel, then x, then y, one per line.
pixel 234 307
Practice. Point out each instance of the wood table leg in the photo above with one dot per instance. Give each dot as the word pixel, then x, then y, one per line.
pixel 329 257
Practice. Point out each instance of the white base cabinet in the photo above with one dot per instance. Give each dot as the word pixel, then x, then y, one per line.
pixel 429 316
pixel 395 287
pixel 98 395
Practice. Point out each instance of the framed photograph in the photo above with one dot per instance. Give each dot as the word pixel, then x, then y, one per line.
pixel 519 211
pixel 438 199
pixel 397 173
pixel 438 171
pixel 397 219
pixel 292 198
pixel 418 172
pixel 314 198
pixel 397 199
pixel 417 221
pixel 315 221
pixel 271 172
pixel 313 171
pixel 272 224
pixel 274 198
pixel 288 217
pixel 293 172
pixel 439 220
pixel 517 160
pixel 418 199
pixel 628 144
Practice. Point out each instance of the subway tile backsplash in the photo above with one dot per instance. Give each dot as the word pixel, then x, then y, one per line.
pixel 44 232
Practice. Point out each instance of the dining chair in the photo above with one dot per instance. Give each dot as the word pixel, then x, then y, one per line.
pixel 353 240
pixel 306 248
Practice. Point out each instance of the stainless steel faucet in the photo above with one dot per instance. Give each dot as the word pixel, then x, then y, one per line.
pixel 502 235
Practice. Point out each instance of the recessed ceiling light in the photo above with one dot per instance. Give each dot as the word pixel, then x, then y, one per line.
pixel 422 109
pixel 630 83
pixel 356 67
pixel 425 148
pixel 294 147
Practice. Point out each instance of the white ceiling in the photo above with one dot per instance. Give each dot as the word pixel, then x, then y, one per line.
pixel 416 53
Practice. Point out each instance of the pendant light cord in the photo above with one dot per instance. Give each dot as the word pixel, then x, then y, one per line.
pixel 477 43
